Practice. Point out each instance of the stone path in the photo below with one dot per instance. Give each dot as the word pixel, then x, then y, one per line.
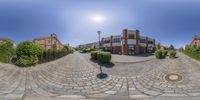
pixel 74 77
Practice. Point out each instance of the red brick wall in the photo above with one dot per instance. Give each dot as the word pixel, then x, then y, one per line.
pixel 47 43
pixel 196 42
pixel 125 44
pixel 137 47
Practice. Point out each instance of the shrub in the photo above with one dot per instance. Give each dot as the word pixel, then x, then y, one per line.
pixel 52 54
pixel 6 51
pixel 172 54
pixel 164 53
pixel 171 47
pixel 192 51
pixel 99 56
pixel 27 61
pixel 158 54
pixel 94 55
pixel 28 49
pixel 28 53
pixel 105 57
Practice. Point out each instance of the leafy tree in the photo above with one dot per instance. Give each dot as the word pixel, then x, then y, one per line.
pixel 28 53
pixel 158 46
pixel 171 47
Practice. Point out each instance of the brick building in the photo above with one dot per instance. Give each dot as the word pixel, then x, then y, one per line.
pixel 3 40
pixel 196 41
pixel 49 42
pixel 128 43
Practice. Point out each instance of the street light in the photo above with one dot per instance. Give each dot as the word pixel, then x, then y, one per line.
pixel 99 33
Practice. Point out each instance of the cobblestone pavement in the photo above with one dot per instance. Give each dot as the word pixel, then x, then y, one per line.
pixel 128 59
pixel 73 77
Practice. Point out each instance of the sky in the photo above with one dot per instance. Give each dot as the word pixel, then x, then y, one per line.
pixel 168 21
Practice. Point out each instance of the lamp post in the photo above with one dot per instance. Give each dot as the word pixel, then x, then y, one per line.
pixel 99 33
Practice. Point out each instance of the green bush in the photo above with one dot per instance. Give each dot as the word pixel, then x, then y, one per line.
pixel 172 54
pixel 164 53
pixel 52 54
pixel 27 61
pixel 158 54
pixel 99 56
pixel 94 55
pixel 28 49
pixel 4 57
pixel 6 51
pixel 192 51
pixel 28 53
pixel 103 57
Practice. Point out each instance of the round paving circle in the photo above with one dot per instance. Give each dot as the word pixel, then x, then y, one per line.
pixel 173 77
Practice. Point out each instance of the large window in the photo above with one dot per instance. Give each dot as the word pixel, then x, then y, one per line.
pixel 150 42
pixel 116 40
pixel 131 36
pixel 142 41
pixel 106 41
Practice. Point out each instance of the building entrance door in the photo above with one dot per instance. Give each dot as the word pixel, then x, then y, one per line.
pixel 131 50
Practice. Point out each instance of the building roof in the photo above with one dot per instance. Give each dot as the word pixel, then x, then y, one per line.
pixel 48 37
pixel 4 39
pixel 196 37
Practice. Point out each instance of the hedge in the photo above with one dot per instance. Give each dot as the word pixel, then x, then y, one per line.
pixel 103 57
pixel 6 51
pixel 164 53
pixel 52 54
pixel 27 53
pixel 192 51
pixel 27 60
pixel 94 55
pixel 158 54
pixel 172 54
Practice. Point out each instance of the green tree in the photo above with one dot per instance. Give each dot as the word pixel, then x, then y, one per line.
pixel 28 53
pixel 158 46
pixel 171 47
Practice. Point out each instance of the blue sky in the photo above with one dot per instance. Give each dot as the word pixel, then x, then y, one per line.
pixel 168 21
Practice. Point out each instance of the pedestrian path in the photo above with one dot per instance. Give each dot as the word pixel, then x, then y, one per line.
pixel 74 77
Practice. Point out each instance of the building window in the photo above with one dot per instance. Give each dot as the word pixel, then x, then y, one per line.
pixel 150 42
pixel 54 42
pixel 131 36
pixel 195 43
pixel 116 40
pixel 49 42
pixel 106 41
pixel 142 41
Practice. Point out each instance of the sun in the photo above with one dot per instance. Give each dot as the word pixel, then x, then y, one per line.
pixel 97 18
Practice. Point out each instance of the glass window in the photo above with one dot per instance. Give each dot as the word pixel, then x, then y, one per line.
pixel 106 41
pixel 142 41
pixel 150 42
pixel 131 36
pixel 116 40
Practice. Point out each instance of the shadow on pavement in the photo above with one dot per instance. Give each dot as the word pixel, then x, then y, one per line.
pixel 102 75
pixel 110 65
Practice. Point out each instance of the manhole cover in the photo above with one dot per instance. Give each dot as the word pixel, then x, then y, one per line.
pixel 173 77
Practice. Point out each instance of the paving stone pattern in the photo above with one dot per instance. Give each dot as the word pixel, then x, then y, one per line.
pixel 74 76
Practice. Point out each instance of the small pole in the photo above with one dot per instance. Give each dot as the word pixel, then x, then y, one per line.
pixel 99 33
